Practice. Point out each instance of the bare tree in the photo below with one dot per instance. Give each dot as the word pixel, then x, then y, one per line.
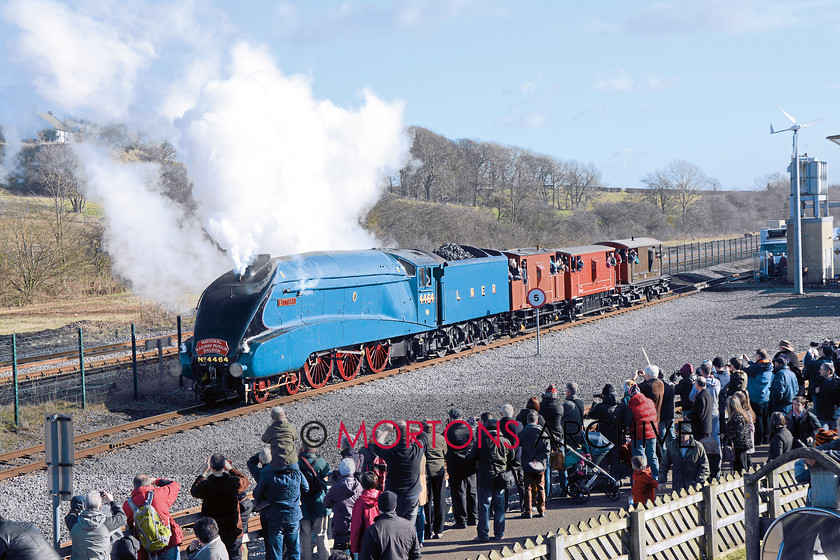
pixel 57 168
pixel 431 152
pixel 579 183
pixel 474 158
pixel 660 190
pixel 175 183
pixel 689 182
pixel 30 255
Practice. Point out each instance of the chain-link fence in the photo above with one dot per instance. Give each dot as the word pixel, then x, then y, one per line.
pixel 691 256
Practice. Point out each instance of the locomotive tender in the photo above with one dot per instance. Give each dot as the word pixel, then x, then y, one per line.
pixel 302 317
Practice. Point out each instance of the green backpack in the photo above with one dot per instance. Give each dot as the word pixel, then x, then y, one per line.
pixel 149 529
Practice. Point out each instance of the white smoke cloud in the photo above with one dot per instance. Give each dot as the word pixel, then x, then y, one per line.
pixel 279 171
pixel 163 253
pixel 275 170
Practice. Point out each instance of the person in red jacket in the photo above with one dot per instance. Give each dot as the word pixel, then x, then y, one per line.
pixel 365 510
pixel 644 429
pixel 165 494
pixel 644 485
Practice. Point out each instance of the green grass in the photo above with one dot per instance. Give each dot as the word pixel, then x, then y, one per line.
pixel 740 554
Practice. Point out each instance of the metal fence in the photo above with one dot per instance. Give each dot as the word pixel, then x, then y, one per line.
pixel 691 256
pixel 68 365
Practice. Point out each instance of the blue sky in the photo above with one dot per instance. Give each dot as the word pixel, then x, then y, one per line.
pixel 629 86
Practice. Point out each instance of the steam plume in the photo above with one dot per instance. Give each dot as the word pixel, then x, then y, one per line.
pixel 275 170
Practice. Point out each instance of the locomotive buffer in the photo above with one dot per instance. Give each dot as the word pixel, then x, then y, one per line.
pixel 536 298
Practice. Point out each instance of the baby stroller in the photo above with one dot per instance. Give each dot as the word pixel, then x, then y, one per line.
pixel 584 476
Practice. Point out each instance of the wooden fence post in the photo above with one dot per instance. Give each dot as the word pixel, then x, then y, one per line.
pixel 638 543
pixel 710 496
pixel 752 533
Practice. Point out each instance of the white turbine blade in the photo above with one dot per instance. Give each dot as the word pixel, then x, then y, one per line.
pixel 785 114
pixel 812 122
pixel 774 131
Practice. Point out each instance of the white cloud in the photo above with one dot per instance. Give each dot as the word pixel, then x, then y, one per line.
pixel 619 81
pixel 81 61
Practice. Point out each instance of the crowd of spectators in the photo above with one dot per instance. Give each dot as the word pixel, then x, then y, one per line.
pixel 385 499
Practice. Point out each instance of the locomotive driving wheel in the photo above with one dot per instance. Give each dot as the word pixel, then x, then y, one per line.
pixel 318 370
pixel 377 355
pixel 292 382
pixel 260 391
pixel 348 364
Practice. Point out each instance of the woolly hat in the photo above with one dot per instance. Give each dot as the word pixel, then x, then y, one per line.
pixel 652 371
pixel 347 467
pixel 387 501
pixel 551 392
pixel 608 389
pixel 454 413
pixel 686 370
pixel 278 413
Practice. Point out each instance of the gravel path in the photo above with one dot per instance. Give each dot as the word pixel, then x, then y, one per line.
pixel 723 322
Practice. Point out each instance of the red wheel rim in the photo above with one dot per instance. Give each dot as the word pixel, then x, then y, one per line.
pixel 348 365
pixel 261 391
pixel 377 357
pixel 292 382
pixel 319 373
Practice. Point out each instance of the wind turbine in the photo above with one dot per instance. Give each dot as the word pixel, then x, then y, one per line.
pixel 795 210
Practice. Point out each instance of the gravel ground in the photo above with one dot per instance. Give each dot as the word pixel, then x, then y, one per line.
pixel 722 322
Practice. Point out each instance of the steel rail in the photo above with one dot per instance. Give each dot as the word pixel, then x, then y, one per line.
pixel 304 394
pixel 68 355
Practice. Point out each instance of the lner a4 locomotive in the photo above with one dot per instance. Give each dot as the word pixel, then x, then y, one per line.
pixel 308 318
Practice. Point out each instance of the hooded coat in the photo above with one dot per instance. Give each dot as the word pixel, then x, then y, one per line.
pixel 759 377
pixel 552 410
pixel 644 417
pixel 91 534
pixel 390 538
pixel 691 469
pixel 783 389
pixel 341 498
pixel 365 512
pixel 604 414
pixel 22 541
pixel 282 437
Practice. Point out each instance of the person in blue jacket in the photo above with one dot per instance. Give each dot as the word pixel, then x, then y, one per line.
pixel 784 387
pixel 759 376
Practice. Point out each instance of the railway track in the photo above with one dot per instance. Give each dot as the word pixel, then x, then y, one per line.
pixel 70 360
pixel 29 456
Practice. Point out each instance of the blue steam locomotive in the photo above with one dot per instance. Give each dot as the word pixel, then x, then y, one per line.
pixel 299 318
